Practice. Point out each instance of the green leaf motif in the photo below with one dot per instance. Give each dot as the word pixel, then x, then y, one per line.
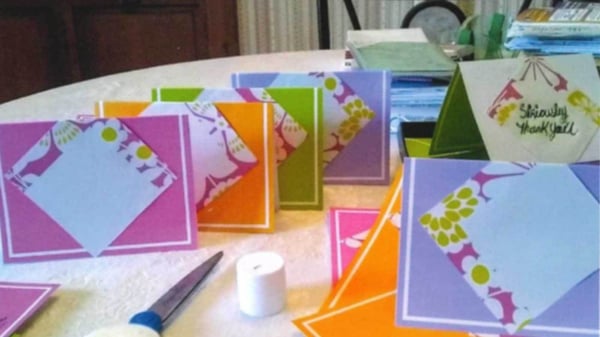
pixel 442 239
pixel 460 231
pixel 452 216
pixel 453 204
pixel 465 212
pixel 473 202
pixel 425 219
pixel 445 223
pixel 434 224
pixel 465 193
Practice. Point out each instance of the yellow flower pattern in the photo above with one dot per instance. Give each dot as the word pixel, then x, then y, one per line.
pixel 360 114
pixel 445 228
pixel 580 100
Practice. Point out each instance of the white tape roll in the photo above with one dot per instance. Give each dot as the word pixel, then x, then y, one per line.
pixel 261 283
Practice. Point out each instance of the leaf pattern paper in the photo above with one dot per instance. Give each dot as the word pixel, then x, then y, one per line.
pixel 508 232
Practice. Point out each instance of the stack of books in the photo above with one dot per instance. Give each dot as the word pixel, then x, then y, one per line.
pixel 570 27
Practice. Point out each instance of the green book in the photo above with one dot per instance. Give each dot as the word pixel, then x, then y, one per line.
pixel 405 58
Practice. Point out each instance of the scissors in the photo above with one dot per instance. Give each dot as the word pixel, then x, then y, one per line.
pixel 149 323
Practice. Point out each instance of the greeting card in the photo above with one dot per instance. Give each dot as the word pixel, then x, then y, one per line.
pixel 298 135
pixel 233 156
pixel 219 157
pixel 97 187
pixel 500 247
pixel 19 302
pixel 356 120
pixel 348 229
pixel 525 109
pixel 362 302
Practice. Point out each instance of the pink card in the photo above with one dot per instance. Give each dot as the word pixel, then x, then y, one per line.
pixel 19 302
pixel 99 187
pixel 348 229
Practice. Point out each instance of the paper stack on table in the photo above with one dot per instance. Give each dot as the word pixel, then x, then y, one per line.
pixel 570 27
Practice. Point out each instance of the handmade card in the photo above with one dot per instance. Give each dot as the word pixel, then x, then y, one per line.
pixel 524 109
pixel 219 157
pixel 356 120
pixel 298 135
pixel 98 187
pixel 362 302
pixel 233 156
pixel 348 229
pixel 19 302
pixel 500 247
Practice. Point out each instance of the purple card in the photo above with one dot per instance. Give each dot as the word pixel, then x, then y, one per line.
pixel 99 187
pixel 496 247
pixel 356 109
pixel 19 301
pixel 348 229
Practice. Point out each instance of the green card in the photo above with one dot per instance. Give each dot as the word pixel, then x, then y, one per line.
pixel 456 134
pixel 298 134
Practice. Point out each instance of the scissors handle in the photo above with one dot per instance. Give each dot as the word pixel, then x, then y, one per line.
pixel 124 330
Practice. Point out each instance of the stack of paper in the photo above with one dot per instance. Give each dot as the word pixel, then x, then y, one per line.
pixel 571 27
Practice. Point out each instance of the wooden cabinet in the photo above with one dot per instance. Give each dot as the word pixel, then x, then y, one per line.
pixel 46 43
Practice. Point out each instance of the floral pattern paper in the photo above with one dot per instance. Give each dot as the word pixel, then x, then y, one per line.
pixel 220 157
pixel 346 112
pixel 501 230
pixel 289 134
pixel 541 106
pixel 103 158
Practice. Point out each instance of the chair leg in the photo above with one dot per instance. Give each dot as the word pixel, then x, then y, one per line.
pixel 323 24
pixel 352 14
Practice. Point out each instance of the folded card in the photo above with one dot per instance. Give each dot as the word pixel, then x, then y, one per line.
pixel 19 302
pixel 348 229
pixel 232 155
pixel 362 302
pixel 97 187
pixel 525 109
pixel 218 154
pixel 356 120
pixel 500 247
pixel 298 135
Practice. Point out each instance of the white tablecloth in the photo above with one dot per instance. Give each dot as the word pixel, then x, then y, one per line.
pixel 96 292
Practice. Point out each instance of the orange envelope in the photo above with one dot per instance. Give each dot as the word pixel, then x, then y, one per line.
pixel 229 208
pixel 363 302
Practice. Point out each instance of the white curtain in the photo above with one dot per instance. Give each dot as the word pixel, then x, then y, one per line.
pixel 267 26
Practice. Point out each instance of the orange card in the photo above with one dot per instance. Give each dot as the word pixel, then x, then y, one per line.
pixel 237 160
pixel 363 302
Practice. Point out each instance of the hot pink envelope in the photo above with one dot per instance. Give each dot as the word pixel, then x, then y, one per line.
pixel 99 187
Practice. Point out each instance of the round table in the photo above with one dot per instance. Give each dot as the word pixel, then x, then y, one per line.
pixel 96 292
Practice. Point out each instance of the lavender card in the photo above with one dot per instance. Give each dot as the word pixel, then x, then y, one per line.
pixel 356 120
pixel 513 248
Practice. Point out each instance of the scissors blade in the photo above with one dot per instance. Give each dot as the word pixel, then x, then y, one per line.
pixel 167 304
